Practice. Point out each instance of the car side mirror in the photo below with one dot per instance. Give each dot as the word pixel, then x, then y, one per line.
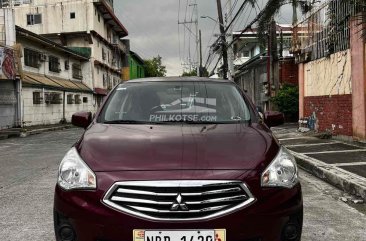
pixel 82 119
pixel 274 118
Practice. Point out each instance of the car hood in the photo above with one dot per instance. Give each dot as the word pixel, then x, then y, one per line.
pixel 177 147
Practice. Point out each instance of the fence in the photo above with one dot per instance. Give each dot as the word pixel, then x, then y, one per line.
pixel 325 31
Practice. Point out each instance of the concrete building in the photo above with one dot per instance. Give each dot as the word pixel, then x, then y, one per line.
pixel 137 66
pixel 330 49
pixel 89 27
pixel 52 77
pixel 262 69
pixel 9 84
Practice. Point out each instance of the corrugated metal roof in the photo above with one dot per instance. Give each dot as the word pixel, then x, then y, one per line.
pixel 54 82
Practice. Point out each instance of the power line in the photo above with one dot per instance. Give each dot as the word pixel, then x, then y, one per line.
pixel 180 53
pixel 237 15
pixel 190 18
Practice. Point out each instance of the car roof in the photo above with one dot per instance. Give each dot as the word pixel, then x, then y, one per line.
pixel 173 79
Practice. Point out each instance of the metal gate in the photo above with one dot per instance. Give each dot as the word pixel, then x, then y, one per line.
pixel 8 104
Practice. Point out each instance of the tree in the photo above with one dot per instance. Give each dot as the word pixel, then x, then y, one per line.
pixel 287 101
pixel 204 72
pixel 191 73
pixel 154 67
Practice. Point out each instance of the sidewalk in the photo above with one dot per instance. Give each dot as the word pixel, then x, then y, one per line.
pixel 339 163
pixel 31 130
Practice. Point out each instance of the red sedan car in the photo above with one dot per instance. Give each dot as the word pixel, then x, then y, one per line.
pixel 178 159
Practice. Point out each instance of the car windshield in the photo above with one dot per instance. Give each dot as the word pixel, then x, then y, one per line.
pixel 181 101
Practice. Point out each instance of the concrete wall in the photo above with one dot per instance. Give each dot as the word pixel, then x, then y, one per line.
pixel 329 76
pixel 52 14
pixel 7 27
pixel 44 67
pixel 326 93
pixel 56 19
pixel 46 114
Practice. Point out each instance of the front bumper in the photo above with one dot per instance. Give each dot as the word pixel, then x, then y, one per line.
pixel 92 220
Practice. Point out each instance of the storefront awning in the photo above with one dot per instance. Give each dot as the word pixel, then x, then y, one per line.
pixel 54 83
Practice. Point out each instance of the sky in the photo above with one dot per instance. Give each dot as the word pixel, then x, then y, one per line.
pixel 153 27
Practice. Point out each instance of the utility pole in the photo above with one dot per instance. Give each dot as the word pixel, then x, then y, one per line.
pixel 230 51
pixel 223 39
pixel 200 67
pixel 192 21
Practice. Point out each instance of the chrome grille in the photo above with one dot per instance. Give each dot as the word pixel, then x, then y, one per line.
pixel 178 200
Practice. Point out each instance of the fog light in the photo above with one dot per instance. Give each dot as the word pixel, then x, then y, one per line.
pixel 66 233
pixel 290 232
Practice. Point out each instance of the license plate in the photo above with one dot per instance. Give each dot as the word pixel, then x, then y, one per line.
pixel 180 235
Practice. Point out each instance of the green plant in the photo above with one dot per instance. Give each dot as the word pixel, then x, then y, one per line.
pixel 154 67
pixel 287 101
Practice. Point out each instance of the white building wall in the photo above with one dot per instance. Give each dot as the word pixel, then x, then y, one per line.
pixel 44 67
pixel 56 16
pixel 7 27
pixel 73 108
pixel 42 114
pixel 56 19
pixel 48 114
pixel 45 114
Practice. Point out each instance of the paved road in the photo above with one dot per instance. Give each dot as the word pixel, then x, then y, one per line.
pixel 28 174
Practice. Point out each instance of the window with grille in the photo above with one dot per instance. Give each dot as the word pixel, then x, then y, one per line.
pixel 67 65
pixel 37 98
pixel 34 19
pixel 246 54
pixel 53 98
pixel 77 99
pixel 56 98
pixel 31 58
pixel 54 64
pixel 104 55
pixel 70 99
pixel 76 71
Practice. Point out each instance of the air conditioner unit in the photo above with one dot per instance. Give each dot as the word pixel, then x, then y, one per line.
pixel 43 57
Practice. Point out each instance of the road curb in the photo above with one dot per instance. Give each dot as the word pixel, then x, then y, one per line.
pixel 346 181
pixel 43 130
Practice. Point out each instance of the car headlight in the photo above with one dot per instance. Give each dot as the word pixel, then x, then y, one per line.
pixel 282 172
pixel 74 173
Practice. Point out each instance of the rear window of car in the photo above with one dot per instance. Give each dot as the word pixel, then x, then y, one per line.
pixel 180 101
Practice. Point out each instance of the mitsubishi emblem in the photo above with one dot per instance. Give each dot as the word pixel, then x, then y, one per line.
pixel 179 205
